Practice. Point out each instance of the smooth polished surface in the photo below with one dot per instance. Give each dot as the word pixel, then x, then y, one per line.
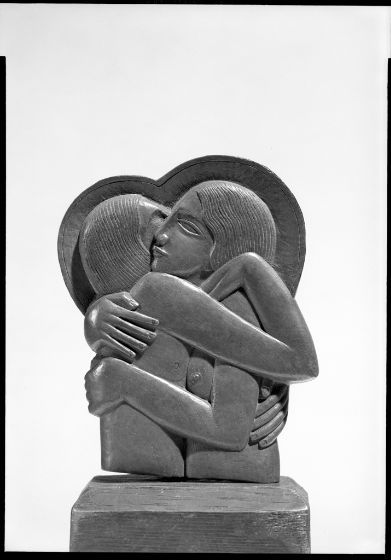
pixel 192 317
pixel 141 514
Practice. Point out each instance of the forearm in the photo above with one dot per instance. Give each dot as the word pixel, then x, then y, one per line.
pixel 225 423
pixel 279 313
pixel 191 315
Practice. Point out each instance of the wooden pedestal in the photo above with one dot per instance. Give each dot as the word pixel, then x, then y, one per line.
pixel 133 513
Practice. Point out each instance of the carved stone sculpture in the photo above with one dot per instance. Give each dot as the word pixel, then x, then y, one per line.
pixel 187 285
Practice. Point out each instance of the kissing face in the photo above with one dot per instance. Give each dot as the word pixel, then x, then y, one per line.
pixel 151 217
pixel 183 243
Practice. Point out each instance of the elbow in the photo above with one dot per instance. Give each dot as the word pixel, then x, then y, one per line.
pixel 307 368
pixel 303 360
pixel 312 366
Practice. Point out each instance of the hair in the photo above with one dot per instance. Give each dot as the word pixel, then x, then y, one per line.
pixel 239 221
pixel 112 250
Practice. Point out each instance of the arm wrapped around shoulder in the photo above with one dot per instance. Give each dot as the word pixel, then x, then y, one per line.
pixel 284 353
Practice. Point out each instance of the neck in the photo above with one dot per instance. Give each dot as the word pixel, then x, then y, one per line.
pixel 198 277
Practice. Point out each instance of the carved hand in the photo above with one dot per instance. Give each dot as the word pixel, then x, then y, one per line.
pixel 270 417
pixel 103 388
pixel 111 323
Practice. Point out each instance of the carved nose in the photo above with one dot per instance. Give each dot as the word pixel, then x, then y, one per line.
pixel 161 239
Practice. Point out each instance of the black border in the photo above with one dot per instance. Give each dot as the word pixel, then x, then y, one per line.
pixel 3 237
pixel 3 230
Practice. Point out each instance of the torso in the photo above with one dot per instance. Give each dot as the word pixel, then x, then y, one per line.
pixel 199 378
pixel 167 358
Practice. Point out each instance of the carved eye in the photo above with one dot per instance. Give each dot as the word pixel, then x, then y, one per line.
pixel 189 226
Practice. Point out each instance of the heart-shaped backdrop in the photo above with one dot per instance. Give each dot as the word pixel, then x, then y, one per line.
pixel 290 250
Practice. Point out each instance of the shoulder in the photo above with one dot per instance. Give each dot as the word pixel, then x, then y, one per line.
pixel 161 279
pixel 159 285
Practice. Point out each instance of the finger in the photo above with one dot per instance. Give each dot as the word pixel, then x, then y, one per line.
pixel 271 438
pixel 122 350
pixel 111 352
pixel 92 393
pixel 135 317
pixel 265 405
pixel 270 414
pixel 134 330
pixel 92 373
pixel 124 299
pixel 265 388
pixel 95 361
pixel 265 430
pixel 125 339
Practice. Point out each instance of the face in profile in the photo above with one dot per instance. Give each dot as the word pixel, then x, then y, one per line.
pixel 183 243
pixel 210 225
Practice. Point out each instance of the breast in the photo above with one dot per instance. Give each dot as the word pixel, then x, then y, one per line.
pixel 199 378
pixel 167 358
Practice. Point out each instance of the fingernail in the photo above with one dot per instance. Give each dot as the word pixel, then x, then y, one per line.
pixel 265 392
pixel 132 301
pixel 155 322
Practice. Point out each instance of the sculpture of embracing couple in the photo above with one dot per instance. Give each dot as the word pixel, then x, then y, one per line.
pixel 192 316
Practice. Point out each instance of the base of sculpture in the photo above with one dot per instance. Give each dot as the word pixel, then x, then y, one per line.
pixel 137 513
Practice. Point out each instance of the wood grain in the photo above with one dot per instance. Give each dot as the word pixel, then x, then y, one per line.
pixel 140 514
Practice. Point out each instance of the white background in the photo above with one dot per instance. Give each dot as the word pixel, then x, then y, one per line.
pixel 99 90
